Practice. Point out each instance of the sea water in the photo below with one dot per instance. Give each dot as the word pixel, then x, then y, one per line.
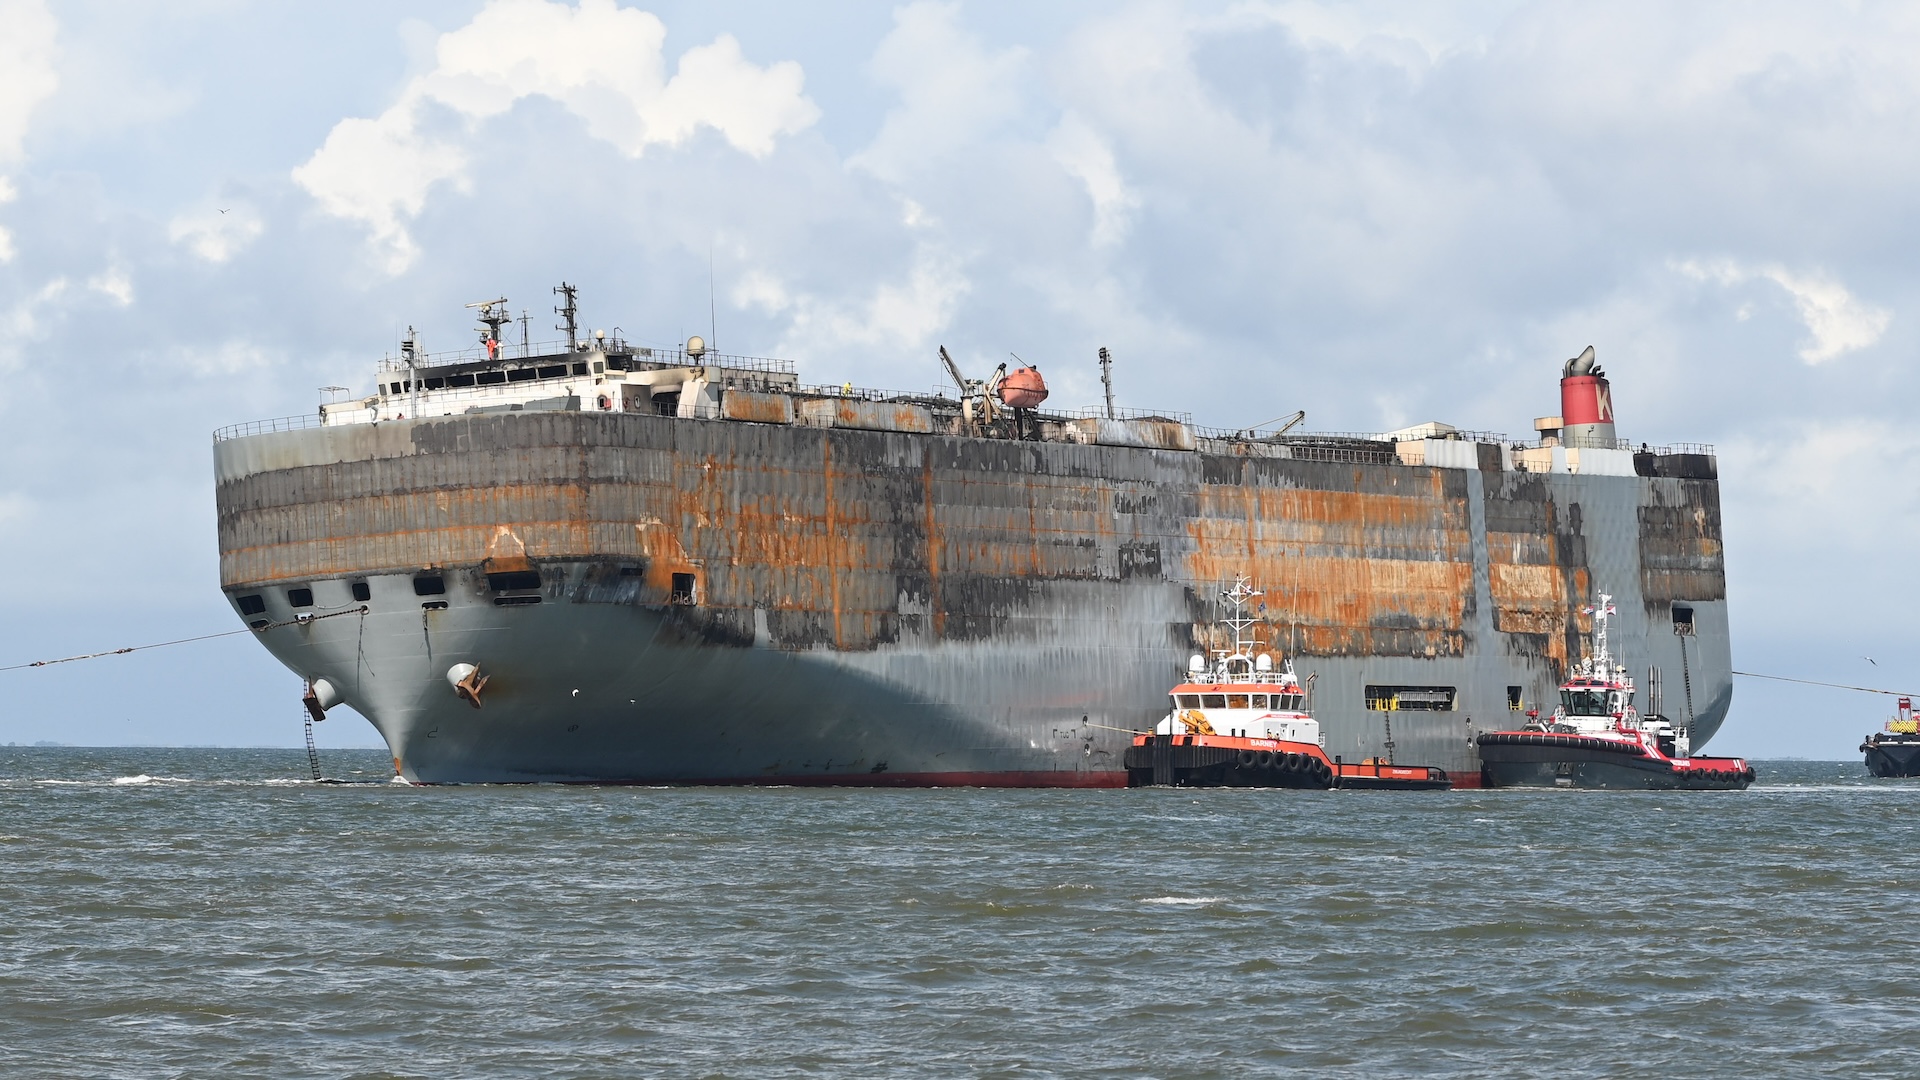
pixel 170 912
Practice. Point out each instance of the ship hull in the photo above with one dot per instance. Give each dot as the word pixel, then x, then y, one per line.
pixel 1892 757
pixel 1547 761
pixel 727 602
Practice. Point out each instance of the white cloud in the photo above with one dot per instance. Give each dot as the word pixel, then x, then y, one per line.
pixel 902 316
pixel 26 321
pixel 226 358
pixel 27 76
pixel 1838 321
pixel 601 62
pixel 216 234
pixel 1802 479
pixel 1087 157
pixel 953 91
pixel 114 284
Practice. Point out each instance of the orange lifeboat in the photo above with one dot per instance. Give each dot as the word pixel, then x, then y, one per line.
pixel 1023 388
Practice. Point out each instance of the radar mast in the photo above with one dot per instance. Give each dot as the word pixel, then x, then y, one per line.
pixel 569 310
pixel 493 315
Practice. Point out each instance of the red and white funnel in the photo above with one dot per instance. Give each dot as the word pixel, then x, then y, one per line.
pixel 1586 403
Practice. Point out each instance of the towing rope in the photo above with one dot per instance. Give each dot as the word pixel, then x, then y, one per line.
pixel 1834 685
pixel 295 621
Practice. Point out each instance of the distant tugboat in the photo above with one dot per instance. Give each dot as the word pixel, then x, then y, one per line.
pixel 1237 722
pixel 1597 739
pixel 1895 751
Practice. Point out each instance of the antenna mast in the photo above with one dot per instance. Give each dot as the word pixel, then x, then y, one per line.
pixel 1239 620
pixel 493 315
pixel 569 310
pixel 1106 378
pixel 410 351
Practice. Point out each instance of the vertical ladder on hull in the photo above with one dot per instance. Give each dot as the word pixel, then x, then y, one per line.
pixel 313 755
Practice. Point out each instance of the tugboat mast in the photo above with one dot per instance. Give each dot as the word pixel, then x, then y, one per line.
pixel 1238 620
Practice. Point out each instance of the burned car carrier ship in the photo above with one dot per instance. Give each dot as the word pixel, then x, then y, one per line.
pixel 602 563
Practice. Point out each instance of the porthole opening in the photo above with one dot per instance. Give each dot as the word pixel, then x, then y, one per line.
pixel 429 585
pixel 300 597
pixel 252 604
pixel 362 592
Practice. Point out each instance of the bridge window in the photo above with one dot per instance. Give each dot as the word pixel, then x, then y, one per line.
pixel 1189 701
pixel 1586 702
pixel 460 380
pixel 525 374
pixel 436 384
pixel 1236 701
pixel 553 371
pixel 1213 701
pixel 1257 701
pixel 489 378
pixel 1410 698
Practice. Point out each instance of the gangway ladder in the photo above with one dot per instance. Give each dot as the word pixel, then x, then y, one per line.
pixel 309 712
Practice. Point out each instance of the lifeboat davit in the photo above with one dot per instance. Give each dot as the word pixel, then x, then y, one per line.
pixel 1023 388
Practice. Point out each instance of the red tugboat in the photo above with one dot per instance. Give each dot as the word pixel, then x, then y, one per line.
pixel 1239 722
pixel 1597 739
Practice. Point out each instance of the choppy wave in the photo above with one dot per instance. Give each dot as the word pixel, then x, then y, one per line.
pixel 174 913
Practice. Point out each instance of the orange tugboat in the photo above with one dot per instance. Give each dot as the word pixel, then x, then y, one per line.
pixel 1241 722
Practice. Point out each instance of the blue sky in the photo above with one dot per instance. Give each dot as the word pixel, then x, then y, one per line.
pixel 1381 213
